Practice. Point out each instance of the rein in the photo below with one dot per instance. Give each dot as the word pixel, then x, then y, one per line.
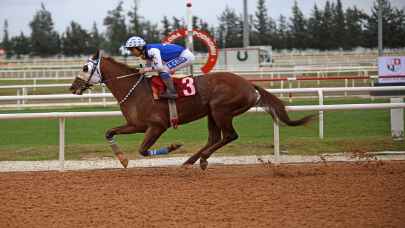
pixel 123 77
pixel 132 89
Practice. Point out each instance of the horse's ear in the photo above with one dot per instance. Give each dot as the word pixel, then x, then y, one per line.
pixel 97 55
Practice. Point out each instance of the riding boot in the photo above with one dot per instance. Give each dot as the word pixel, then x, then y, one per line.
pixel 170 92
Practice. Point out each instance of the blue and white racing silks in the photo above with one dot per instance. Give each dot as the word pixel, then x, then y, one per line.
pixel 167 57
pixel 167 51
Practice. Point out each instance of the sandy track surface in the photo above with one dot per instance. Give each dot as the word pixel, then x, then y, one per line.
pixel 363 194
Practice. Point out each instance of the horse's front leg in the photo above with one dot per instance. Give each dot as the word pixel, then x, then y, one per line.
pixel 125 129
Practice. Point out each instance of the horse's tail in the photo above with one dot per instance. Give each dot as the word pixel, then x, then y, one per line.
pixel 276 108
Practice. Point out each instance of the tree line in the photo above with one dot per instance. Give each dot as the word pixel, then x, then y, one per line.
pixel 329 27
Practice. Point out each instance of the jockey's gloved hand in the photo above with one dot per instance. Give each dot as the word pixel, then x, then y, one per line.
pixel 145 70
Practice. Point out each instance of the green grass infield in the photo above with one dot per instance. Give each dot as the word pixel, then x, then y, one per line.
pixel 344 131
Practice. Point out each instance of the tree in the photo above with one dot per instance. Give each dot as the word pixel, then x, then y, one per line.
pixel 339 26
pixel 315 28
pixel 393 23
pixel 96 40
pixel 176 24
pixel 231 25
pixel 167 28
pixel 75 40
pixel 326 28
pixel 21 45
pixel 298 28
pixel 261 25
pixel 116 30
pixel 355 23
pixel 6 43
pixel 151 32
pixel 203 25
pixel 283 38
pixel 45 41
pixel 199 24
pixel 135 21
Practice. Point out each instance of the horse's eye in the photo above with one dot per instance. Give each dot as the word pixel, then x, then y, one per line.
pixel 85 68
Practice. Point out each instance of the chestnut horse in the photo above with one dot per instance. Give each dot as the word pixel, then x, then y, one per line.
pixel 220 96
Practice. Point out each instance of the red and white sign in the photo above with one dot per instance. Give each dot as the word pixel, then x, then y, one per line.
pixel 205 38
pixel 2 51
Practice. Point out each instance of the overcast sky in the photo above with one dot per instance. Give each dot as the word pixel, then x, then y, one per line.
pixel 19 13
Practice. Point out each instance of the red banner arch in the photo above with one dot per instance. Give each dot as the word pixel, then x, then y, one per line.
pixel 205 38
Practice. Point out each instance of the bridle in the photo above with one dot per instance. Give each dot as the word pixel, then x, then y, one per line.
pixel 97 63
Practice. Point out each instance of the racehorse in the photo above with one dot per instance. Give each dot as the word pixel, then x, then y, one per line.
pixel 220 96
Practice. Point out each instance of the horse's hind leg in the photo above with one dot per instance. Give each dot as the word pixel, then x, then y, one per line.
pixel 125 129
pixel 214 135
pixel 229 134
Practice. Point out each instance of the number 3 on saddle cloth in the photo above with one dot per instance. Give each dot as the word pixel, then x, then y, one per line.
pixel 184 87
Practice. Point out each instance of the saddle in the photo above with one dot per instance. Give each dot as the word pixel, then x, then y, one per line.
pixel 185 86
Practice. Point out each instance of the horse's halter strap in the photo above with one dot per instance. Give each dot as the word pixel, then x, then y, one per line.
pixel 96 67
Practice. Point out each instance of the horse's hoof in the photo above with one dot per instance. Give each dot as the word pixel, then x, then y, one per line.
pixel 124 162
pixel 203 163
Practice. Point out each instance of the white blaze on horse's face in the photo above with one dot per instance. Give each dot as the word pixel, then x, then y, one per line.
pixel 91 72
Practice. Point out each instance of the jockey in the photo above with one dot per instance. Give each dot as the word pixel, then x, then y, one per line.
pixel 162 58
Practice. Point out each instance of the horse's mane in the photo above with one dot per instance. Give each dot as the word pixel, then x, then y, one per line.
pixel 122 65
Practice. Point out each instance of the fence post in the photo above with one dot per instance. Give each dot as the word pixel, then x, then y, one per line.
pixel 271 77
pixel 18 94
pixel 320 96
pixel 24 93
pixel 276 136
pixel 104 99
pixel 397 120
pixel 61 144
pixel 372 85
pixel 89 97
pixel 34 83
pixel 261 72
pixel 346 85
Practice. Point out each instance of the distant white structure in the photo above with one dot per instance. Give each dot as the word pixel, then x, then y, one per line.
pixel 250 58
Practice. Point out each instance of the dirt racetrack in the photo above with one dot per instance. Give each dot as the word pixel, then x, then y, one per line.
pixel 311 195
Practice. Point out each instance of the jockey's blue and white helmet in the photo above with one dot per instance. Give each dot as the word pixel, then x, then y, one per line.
pixel 136 42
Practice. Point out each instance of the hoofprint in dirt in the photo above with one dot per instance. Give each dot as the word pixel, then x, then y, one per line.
pixel 357 194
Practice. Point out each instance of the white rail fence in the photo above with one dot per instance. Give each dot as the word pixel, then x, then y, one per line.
pixel 21 97
pixel 31 74
pixel 320 92
pixel 62 116
pixel 24 90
